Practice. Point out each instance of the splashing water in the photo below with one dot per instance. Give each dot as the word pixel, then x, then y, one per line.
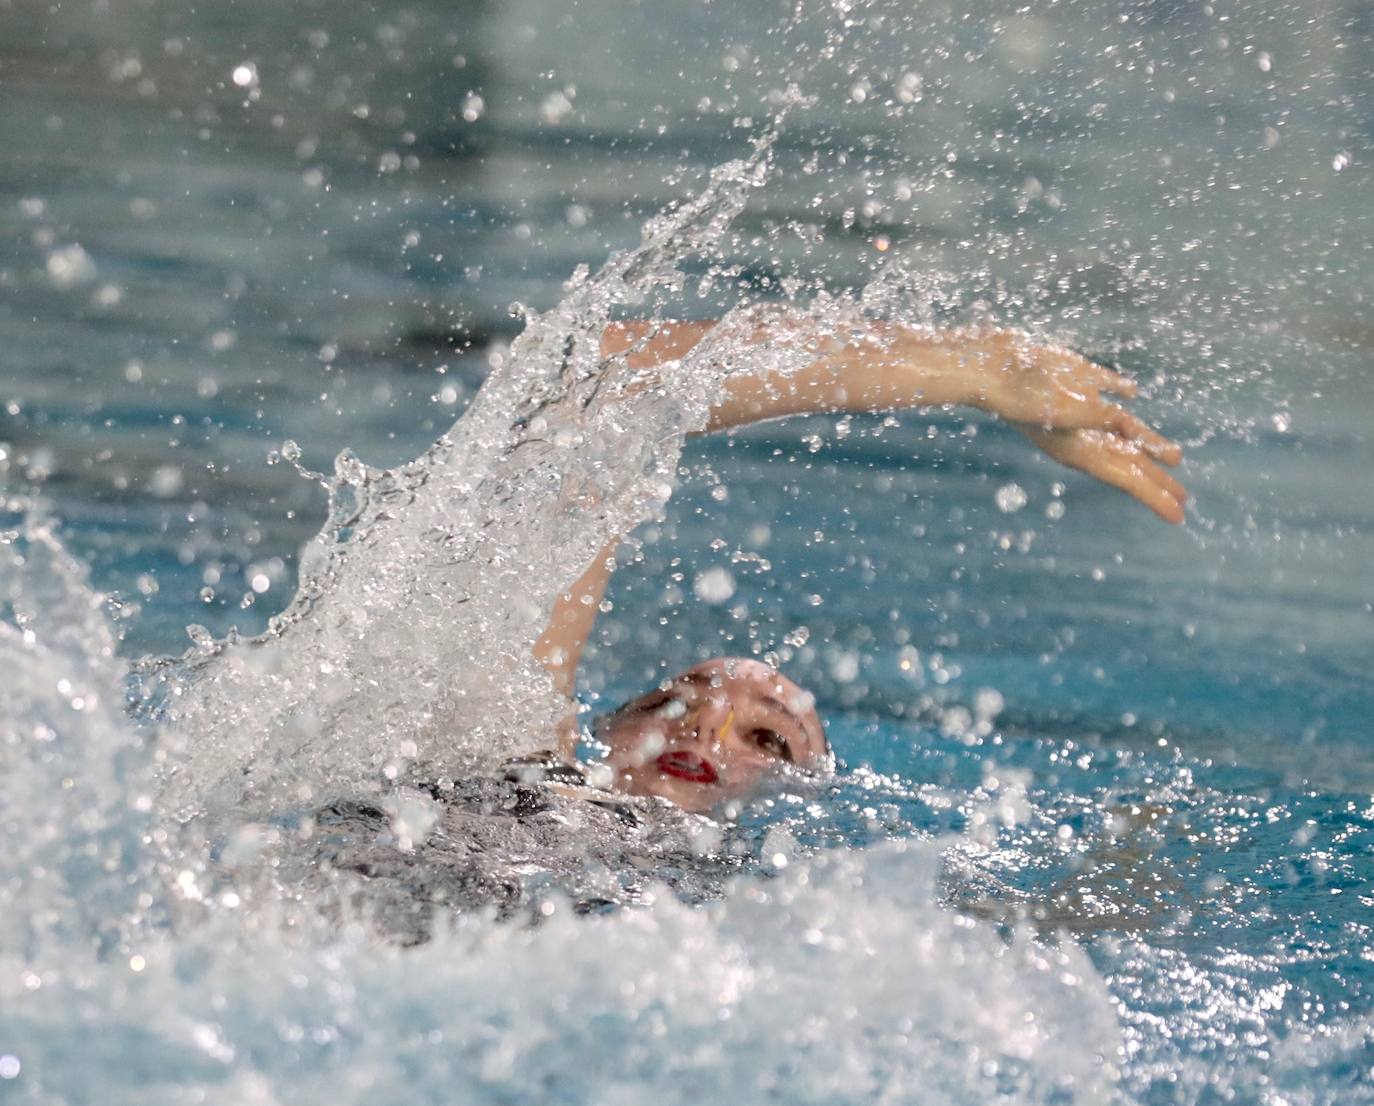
pixel 234 1004
pixel 138 963
pixel 447 568
pixel 75 778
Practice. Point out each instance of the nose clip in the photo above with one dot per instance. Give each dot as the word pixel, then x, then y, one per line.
pixel 722 731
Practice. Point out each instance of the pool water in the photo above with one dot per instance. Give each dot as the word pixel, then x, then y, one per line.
pixel 1103 822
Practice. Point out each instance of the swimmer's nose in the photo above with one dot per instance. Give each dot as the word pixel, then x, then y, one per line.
pixel 711 722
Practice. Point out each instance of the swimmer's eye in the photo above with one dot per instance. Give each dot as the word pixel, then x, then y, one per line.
pixel 772 743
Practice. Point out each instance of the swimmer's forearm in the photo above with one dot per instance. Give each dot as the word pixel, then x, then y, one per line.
pixel 884 368
pixel 559 648
pixel 1056 397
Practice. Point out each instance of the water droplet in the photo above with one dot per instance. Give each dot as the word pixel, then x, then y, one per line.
pixel 844 666
pixel 166 481
pixel 555 107
pixel 349 469
pixel 69 266
pixel 715 585
pixel 1011 498
pixel 245 74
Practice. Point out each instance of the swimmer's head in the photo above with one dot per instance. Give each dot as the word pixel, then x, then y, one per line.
pixel 713 733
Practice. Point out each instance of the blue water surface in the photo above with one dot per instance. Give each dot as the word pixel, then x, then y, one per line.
pixel 223 229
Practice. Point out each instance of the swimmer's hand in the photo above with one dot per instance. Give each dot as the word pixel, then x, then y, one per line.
pixel 1055 397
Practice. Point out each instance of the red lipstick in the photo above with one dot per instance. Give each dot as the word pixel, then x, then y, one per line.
pixel 687 766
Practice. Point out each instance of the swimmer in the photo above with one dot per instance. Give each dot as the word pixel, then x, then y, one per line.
pixel 713 733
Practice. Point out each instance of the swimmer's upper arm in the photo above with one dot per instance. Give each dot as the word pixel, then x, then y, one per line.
pixel 650 342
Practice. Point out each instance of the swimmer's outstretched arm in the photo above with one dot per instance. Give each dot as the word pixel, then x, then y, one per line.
pixel 1051 394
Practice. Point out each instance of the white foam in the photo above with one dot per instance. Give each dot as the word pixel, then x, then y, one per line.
pixel 842 981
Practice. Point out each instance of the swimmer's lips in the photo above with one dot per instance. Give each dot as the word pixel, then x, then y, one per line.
pixel 687 766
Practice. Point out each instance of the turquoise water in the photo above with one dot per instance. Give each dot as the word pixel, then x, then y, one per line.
pixel 225 229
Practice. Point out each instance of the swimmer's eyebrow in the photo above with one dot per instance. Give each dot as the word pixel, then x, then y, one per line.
pixel 649 702
pixel 697 679
pixel 780 706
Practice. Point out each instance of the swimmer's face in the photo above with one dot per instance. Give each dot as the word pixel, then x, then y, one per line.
pixel 712 733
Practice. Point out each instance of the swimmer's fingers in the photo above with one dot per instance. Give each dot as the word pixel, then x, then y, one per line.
pixel 1120 421
pixel 1083 406
pixel 1055 388
pixel 1116 461
pixel 1088 412
pixel 1111 381
pixel 1125 465
pixel 1048 386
